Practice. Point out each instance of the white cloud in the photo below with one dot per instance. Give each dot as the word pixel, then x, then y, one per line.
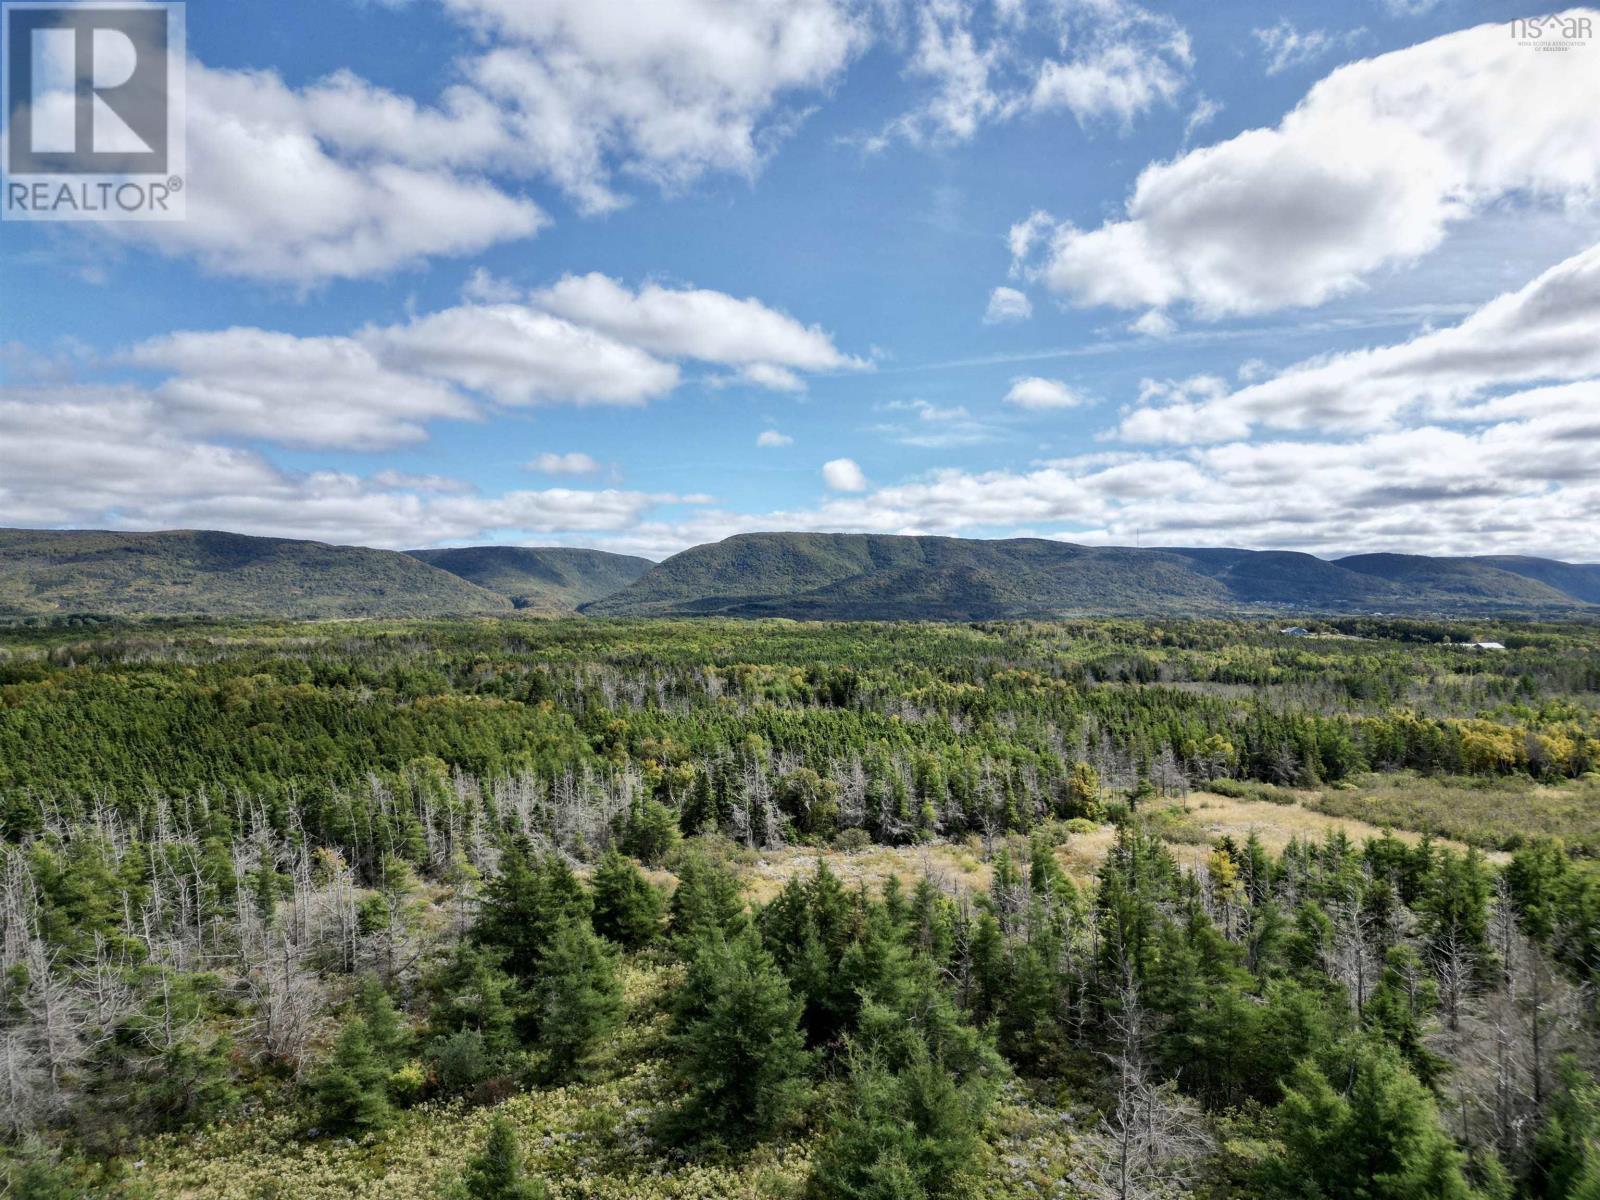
pixel 1542 332
pixel 379 387
pixel 1132 66
pixel 1205 111
pixel 273 196
pixel 1284 46
pixel 1007 304
pixel 1409 8
pixel 1520 486
pixel 434 484
pixel 1369 171
pixel 520 356
pixel 773 378
pixel 482 287
pixel 843 475
pixel 663 89
pixel 693 323
pixel 314 391
pixel 343 179
pixel 1154 323
pixel 572 463
pixel 110 458
pixel 1112 60
pixel 1036 393
pixel 771 439
pixel 936 428
pixel 947 53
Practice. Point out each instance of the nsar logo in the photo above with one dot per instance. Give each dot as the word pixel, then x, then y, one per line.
pixel 1557 32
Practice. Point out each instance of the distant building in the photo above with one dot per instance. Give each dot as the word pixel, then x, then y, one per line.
pixel 1295 631
pixel 1485 646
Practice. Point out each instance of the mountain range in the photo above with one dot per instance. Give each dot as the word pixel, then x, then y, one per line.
pixel 822 576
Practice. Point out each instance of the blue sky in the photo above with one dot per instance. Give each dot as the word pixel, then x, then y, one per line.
pixel 640 275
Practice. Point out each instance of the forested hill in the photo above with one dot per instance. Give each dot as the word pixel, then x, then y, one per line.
pixel 870 576
pixel 822 576
pixel 544 578
pixel 55 572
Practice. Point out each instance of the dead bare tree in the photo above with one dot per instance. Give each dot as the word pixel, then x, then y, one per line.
pixel 1153 1138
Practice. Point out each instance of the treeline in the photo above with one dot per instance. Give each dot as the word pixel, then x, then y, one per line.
pixel 919 730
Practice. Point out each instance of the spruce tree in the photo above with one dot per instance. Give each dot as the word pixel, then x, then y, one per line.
pixel 351 1088
pixel 497 1172
pixel 627 909
pixel 579 999
pixel 1374 1136
pixel 900 1135
pixel 706 901
pixel 739 1053
pixel 524 903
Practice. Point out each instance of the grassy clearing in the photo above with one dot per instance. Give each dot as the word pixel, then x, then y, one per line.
pixel 1190 827
pixel 1205 817
pixel 1492 813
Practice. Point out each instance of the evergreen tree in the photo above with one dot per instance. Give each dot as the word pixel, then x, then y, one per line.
pixel 649 831
pixel 1402 1005
pixel 579 999
pixel 386 1028
pixel 475 1013
pixel 1375 1137
pixel 351 1088
pixel 706 900
pixel 739 1053
pixel 524 903
pixel 1566 1153
pixel 627 908
pixel 901 1134
pixel 497 1172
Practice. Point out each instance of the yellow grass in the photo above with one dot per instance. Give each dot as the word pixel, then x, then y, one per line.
pixel 1277 824
pixel 963 867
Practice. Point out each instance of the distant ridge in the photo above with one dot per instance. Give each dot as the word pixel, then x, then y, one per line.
pixel 880 576
pixel 202 572
pixel 543 578
pixel 821 576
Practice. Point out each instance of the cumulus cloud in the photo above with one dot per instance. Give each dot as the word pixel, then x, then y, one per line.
pixel 1518 486
pixel 664 89
pixel 1542 332
pixel 283 189
pixel 1154 323
pixel 519 356
pixel 1370 170
pixel 692 323
pixel 771 439
pixel 312 391
pixel 378 388
pixel 572 463
pixel 344 179
pixel 1036 393
pixel 843 475
pixel 111 458
pixel 1007 304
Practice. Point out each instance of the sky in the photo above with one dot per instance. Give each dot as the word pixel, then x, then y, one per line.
pixel 642 274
